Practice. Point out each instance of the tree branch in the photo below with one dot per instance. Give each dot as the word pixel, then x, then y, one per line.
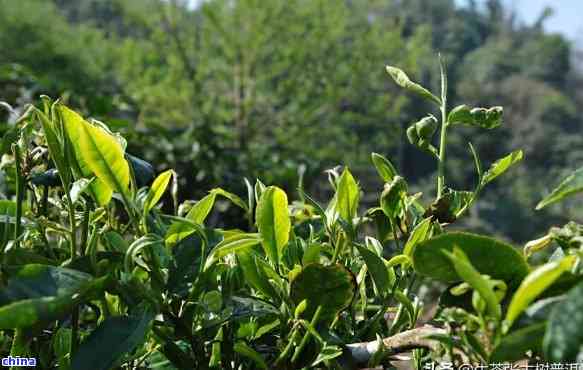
pixel 402 342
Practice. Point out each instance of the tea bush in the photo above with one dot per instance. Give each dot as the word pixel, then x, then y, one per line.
pixel 95 275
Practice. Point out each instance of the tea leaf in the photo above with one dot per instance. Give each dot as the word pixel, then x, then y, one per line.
pixel 334 290
pixel 73 125
pixel 56 148
pixel 534 284
pixel 562 342
pixel 157 190
pixel 488 256
pixel 244 350
pixel 79 187
pixel 238 243
pixel 200 211
pixel 571 185
pixel 255 275
pixel 501 166
pixel 273 222
pixel 378 270
pixel 403 80
pixel 384 167
pixel 115 337
pixel 470 275
pixel 514 346
pixel 105 157
pixel 347 196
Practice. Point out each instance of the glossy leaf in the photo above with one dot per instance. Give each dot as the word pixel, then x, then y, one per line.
pixel 246 351
pixel 334 290
pixel 255 275
pixel 55 145
pixel 36 280
pixel 419 234
pixel 200 211
pixel 571 185
pixel 180 229
pixel 347 196
pixel 500 166
pixel 40 306
pixel 105 157
pixel 384 167
pixel 393 197
pixel 470 275
pixel 273 222
pixel 143 171
pixel 377 269
pixel 73 124
pixel 534 284
pixel 563 339
pixel 78 187
pixel 113 338
pixel 157 190
pixel 28 312
pixel 514 346
pixel 488 256
pixel 238 243
pixel 403 80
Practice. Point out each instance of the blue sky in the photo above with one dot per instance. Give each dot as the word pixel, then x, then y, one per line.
pixel 566 19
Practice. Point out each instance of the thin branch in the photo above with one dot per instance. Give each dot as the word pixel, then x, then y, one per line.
pixel 402 342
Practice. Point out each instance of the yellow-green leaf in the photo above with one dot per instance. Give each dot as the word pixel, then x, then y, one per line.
pixel 157 190
pixel 470 275
pixel 534 284
pixel 403 80
pixel 105 157
pixel 232 244
pixel 273 222
pixel 571 185
pixel 501 166
pixel 73 125
pixel 347 196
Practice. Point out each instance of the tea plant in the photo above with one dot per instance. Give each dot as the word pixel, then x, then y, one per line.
pixel 96 274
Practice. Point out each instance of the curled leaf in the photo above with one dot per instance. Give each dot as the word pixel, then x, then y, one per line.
pixel 403 80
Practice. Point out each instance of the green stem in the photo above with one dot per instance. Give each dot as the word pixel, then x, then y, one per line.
pixel 294 336
pixel 443 134
pixel 74 330
pixel 19 344
pixel 73 230
pixel 307 334
pixel 19 195
pixel 85 227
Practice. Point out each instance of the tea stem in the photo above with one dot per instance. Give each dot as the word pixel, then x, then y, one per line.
pixel 19 195
pixel 443 134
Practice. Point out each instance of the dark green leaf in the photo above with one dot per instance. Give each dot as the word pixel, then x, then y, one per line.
pixel 513 347
pixel 334 290
pixel 488 256
pixel 115 337
pixel 563 339
pixel 378 270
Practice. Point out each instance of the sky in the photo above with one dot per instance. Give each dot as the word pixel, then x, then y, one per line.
pixel 566 19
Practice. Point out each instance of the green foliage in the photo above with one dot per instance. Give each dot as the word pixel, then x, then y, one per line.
pixel 488 256
pixel 563 339
pixel 99 268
